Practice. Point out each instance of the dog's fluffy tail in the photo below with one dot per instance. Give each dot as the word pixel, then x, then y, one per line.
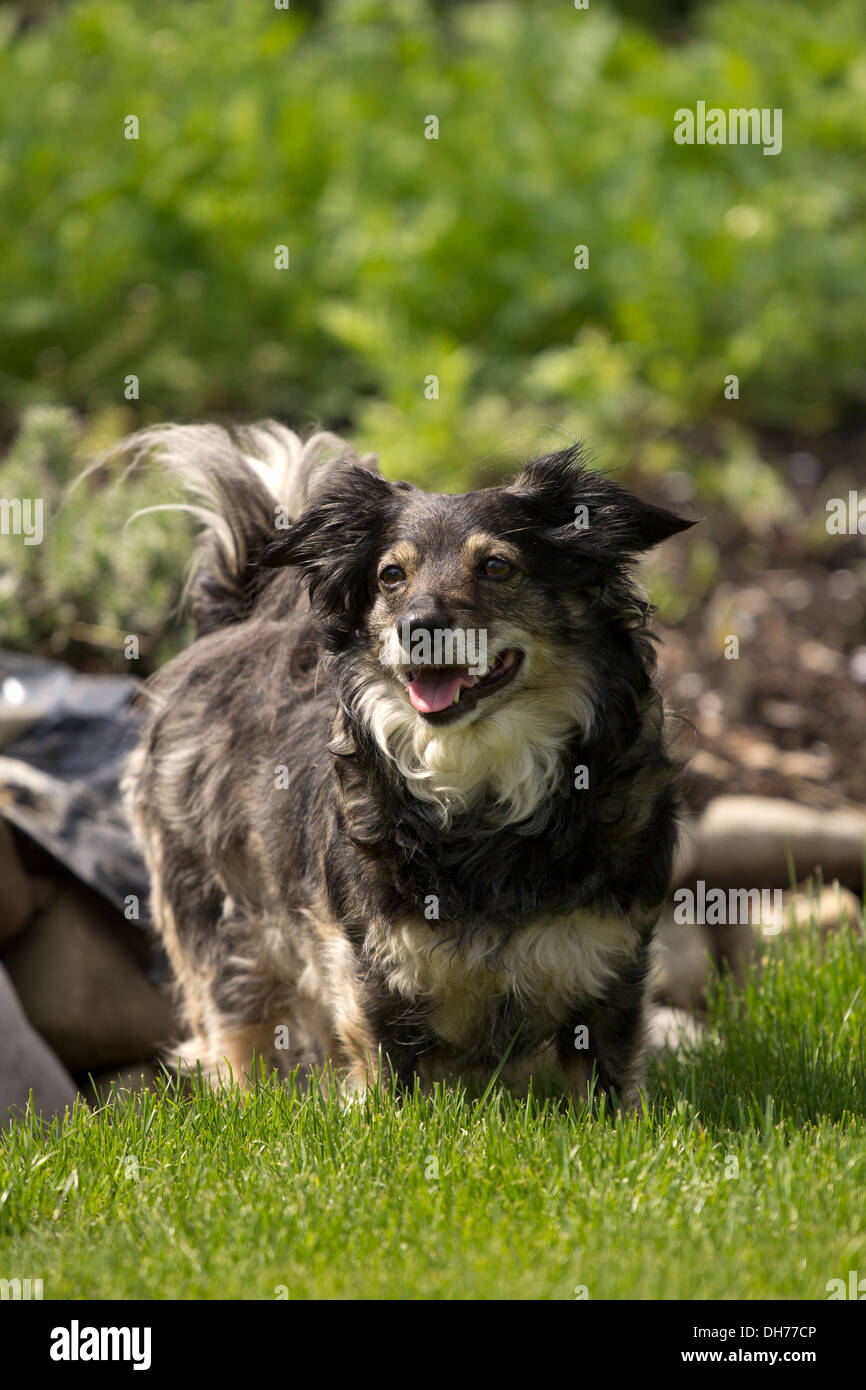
pixel 244 482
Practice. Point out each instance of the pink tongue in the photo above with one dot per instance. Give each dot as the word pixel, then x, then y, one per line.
pixel 432 691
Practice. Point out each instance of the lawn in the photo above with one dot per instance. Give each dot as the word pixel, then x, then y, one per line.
pixel 743 1178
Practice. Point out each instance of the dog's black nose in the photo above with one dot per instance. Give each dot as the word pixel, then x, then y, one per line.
pixel 425 619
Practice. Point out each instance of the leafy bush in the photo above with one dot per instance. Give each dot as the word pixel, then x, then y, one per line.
pixel 453 258
pixel 156 256
pixel 93 580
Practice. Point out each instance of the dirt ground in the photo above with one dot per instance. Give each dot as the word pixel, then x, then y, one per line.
pixel 787 718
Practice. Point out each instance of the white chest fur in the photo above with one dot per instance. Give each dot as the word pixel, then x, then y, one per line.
pixel 546 966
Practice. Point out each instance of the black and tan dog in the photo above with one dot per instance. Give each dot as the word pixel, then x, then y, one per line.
pixel 407 796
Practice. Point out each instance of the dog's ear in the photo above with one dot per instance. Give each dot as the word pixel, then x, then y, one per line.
pixel 587 511
pixel 335 542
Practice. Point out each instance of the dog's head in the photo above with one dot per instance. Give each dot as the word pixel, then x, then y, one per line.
pixel 477 636
pixel 464 601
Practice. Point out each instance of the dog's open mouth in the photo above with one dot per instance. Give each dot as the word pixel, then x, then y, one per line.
pixel 443 694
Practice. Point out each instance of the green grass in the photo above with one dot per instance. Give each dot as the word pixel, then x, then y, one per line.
pixel 210 1197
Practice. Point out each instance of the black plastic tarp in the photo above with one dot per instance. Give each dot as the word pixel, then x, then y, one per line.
pixel 64 738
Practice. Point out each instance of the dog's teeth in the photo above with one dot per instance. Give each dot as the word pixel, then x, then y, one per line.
pixel 457 696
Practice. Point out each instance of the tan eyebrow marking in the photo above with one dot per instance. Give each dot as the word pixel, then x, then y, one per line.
pixel 404 554
pixel 480 545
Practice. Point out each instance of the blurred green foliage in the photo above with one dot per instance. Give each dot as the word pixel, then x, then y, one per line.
pixel 413 257
pixel 93 580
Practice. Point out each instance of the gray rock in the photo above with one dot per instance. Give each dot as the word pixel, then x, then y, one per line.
pixel 16 900
pixel 670 1029
pixel 27 1062
pixel 749 841
pixel 827 910
pixel 83 988
pixel 682 963
pixel 42 891
pixel 737 945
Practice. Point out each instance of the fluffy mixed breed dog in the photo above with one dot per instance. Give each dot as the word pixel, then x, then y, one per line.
pixel 362 841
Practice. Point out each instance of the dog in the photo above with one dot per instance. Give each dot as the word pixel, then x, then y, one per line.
pixel 406 802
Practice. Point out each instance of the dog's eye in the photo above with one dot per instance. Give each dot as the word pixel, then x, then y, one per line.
pixel 495 567
pixel 391 576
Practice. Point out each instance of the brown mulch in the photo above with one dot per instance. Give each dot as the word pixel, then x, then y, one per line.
pixel 788 717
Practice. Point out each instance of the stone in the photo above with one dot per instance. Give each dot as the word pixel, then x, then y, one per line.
pixel 737 945
pixel 670 1029
pixel 749 841
pixel 740 945
pixel 42 891
pixel 16 899
pixel 682 964
pixel 82 987
pixel 827 910
pixel 27 1063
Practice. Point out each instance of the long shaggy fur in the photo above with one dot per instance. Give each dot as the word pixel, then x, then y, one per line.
pixel 374 883
pixel 243 482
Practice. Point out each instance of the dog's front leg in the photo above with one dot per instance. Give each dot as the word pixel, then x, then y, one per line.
pixel 390 1039
pixel 385 1049
pixel 604 1040
pixel 361 1047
